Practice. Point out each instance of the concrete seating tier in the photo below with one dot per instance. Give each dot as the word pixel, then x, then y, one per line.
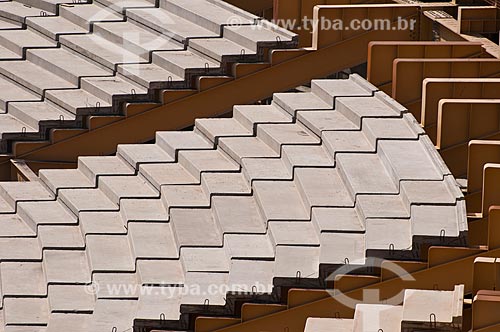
pixel 62 60
pixel 305 185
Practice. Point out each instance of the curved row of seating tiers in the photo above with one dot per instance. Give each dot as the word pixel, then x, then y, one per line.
pixel 61 61
pixel 243 203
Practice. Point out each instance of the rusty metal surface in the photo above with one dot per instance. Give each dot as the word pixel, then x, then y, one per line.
pixel 381 56
pixel 408 92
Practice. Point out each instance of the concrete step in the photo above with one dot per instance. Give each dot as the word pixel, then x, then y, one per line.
pixel 18 12
pixel 322 187
pixel 152 241
pixel 93 167
pixel 18 41
pixel 222 50
pixel 11 92
pixel 23 279
pixel 225 184
pixel 61 237
pixel 155 272
pixel 109 254
pixel 81 200
pixel 249 246
pixel 186 64
pixel 400 166
pixel 172 142
pixel 11 127
pixel 79 102
pixel 7 54
pixel 84 15
pixel 26 311
pixel 135 38
pixel 238 215
pixel 102 50
pixel 141 210
pixel 66 267
pixel 265 169
pixel 354 86
pixel 136 154
pixel 240 148
pixel 7 24
pixel 48 5
pixel 62 322
pixel 383 316
pixel 197 162
pixel 210 15
pixel 113 88
pixel 152 76
pixel 15 192
pixel 56 179
pixel 290 259
pixel 184 196
pixel 34 77
pixel 102 223
pixel 35 214
pixel 185 220
pixel 213 260
pixel 167 174
pixel 295 156
pixel 367 177
pixel 251 115
pixel 73 300
pixel 214 129
pixel 358 109
pixel 259 36
pixel 117 188
pixel 277 135
pixel 41 115
pixel 293 234
pixel 66 64
pixel 294 102
pixel 168 24
pixel 280 200
pixel 54 26
pixel 14 226
pixel 122 5
pixel 245 274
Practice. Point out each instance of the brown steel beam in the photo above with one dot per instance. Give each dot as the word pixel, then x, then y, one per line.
pixel 445 28
pixel 479 19
pixel 408 92
pixel 460 121
pixel 381 56
pixel 435 89
pixel 480 153
pixel 301 12
pixel 485 309
pixel 486 274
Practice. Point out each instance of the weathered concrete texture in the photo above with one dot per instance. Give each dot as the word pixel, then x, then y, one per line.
pixel 235 202
pixel 74 58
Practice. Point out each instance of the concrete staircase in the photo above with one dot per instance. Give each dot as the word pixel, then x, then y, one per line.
pixel 62 61
pixel 295 189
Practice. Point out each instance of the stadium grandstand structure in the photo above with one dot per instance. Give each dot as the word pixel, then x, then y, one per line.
pixel 191 165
